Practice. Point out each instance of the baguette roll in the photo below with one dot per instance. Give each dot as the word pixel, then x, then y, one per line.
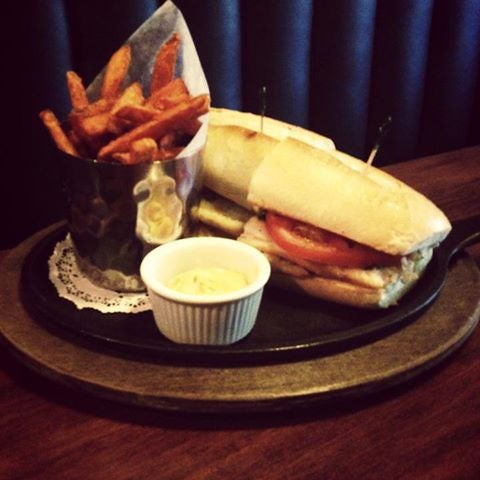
pixel 235 147
pixel 272 128
pixel 368 207
pixel 230 157
pixel 299 175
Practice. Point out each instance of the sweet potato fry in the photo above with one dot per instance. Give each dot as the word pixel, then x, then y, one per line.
pixel 137 114
pixel 122 157
pixel 168 102
pixel 115 72
pixel 164 68
pixel 77 142
pixel 58 135
pixel 117 126
pixel 173 89
pixel 93 130
pixel 168 140
pixel 90 126
pixel 156 128
pixel 132 95
pixel 143 151
pixel 78 95
pixel 100 106
pixel 124 126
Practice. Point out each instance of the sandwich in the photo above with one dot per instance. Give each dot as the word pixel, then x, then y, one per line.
pixel 229 163
pixel 331 226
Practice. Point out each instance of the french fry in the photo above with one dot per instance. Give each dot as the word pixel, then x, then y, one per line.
pixel 78 95
pixel 88 127
pixel 92 130
pixel 77 142
pixel 117 126
pixel 132 95
pixel 173 89
pixel 92 126
pixel 168 120
pixel 124 126
pixel 122 157
pixel 168 140
pixel 164 68
pixel 58 135
pixel 143 151
pixel 171 101
pixel 115 72
pixel 100 106
pixel 137 114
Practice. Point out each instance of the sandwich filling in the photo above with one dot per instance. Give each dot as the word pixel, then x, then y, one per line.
pixel 312 243
pixel 319 261
pixel 405 270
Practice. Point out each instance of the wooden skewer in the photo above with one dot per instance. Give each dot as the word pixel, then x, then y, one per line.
pixel 263 105
pixel 382 131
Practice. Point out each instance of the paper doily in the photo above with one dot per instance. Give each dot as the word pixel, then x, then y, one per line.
pixel 73 285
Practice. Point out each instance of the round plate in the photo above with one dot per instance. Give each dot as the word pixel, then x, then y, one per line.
pixel 272 386
pixel 288 326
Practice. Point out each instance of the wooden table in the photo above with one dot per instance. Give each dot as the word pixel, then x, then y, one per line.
pixel 428 428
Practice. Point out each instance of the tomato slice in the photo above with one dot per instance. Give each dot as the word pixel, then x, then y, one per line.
pixel 311 243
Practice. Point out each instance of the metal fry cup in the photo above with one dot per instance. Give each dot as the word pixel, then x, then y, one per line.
pixel 117 213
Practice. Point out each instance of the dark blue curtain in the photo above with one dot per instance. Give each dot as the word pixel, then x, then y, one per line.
pixel 339 67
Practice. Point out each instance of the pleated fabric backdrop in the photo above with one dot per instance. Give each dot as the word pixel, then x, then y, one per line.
pixel 339 67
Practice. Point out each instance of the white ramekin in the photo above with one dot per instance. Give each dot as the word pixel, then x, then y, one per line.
pixel 204 319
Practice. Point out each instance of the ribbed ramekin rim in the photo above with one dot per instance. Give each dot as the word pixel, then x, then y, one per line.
pixel 161 290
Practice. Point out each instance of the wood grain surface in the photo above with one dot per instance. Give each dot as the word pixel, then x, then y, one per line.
pixel 281 383
pixel 428 428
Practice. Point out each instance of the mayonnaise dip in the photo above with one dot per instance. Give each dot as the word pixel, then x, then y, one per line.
pixel 208 281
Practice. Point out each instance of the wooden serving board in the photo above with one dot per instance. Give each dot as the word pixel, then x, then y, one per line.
pixel 418 346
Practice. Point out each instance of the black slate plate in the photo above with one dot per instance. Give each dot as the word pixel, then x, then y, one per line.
pixel 289 325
